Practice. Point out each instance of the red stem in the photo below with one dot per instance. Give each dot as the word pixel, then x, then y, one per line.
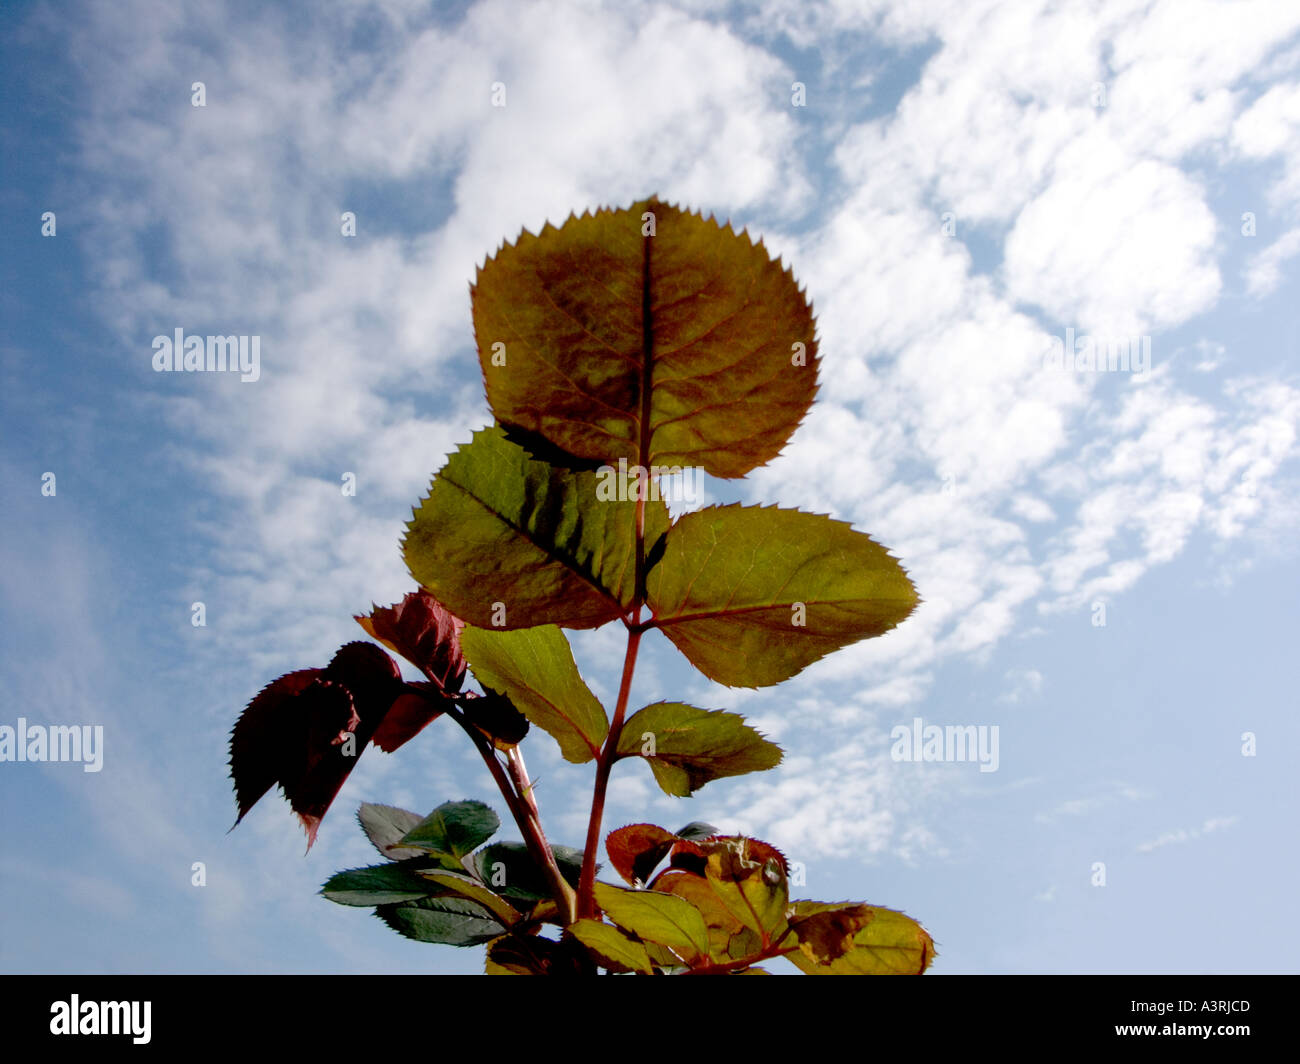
pixel 523 808
pixel 605 762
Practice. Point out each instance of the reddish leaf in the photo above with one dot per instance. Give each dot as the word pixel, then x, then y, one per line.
pixel 425 634
pixel 692 856
pixel 408 716
pixel 255 743
pixel 826 935
pixel 306 730
pixel 636 850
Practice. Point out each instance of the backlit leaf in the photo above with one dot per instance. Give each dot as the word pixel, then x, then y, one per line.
pixel 637 850
pixel 686 747
pixel 827 934
pixel 576 325
pixel 751 595
pixel 424 633
pixel 612 947
pixel 663 918
pixel 534 668
pixel 752 886
pixel 409 714
pixel 890 943
pixel 729 939
pixel 506 540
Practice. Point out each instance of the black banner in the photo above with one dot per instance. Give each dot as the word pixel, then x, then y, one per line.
pixel 333 1013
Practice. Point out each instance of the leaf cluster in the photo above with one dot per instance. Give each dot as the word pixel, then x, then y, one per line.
pixel 616 350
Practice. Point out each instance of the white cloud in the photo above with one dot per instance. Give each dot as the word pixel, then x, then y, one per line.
pixel 1106 794
pixel 1187 834
pixel 938 430
pixel 1022 684
pixel 1269 127
pixel 1264 270
pixel 1115 246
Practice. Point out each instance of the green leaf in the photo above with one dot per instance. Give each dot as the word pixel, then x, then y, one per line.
pixel 534 668
pixel 385 826
pixel 686 747
pixel 449 921
pixel 468 887
pixel 453 829
pixel 890 943
pixel 751 595
pixel 612 947
pixel 663 918
pixel 379 884
pixel 506 540
pixel 594 315
pixel 509 869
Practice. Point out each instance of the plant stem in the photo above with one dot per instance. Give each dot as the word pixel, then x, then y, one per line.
pixel 519 774
pixel 523 807
pixel 587 881
pixel 608 754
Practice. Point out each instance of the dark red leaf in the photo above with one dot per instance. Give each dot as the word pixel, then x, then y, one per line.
pixel 255 743
pixel 636 850
pixel 408 716
pixel 425 634
pixel 306 730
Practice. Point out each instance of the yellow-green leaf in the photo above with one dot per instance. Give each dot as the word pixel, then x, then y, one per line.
pixel 751 595
pixel 650 334
pixel 612 947
pixel 534 668
pixel 663 918
pixel 506 540
pixel 729 939
pixel 754 891
pixel 686 747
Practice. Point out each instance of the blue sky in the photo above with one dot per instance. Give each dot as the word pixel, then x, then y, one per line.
pixel 963 183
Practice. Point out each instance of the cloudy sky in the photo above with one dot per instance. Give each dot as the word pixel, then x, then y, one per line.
pixel 967 190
